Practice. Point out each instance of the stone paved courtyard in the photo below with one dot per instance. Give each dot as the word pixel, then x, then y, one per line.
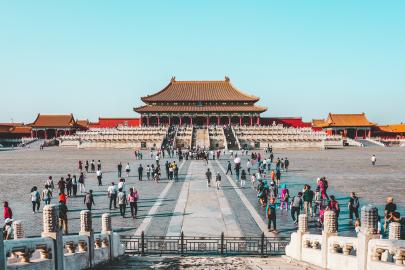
pixel 347 170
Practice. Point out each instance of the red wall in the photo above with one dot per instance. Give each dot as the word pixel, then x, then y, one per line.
pixel 286 121
pixel 114 122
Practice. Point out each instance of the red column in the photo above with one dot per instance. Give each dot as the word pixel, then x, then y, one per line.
pixel 208 120
pixel 147 121
pixel 181 121
pixel 240 120
pixel 251 121
pixel 170 122
pixel 258 121
pixel 191 121
pixel 32 133
pixel 229 120
pixel 369 133
pixel 45 134
pixel 355 136
pixel 219 120
pixel 158 120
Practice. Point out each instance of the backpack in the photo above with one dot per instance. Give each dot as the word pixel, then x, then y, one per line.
pixel 325 183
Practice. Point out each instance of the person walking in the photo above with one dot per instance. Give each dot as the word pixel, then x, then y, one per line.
pixel 334 206
pixel 373 160
pixel 98 165
pixel 176 172
pixel 86 166
pixel 35 199
pixel 74 186
pixel 112 194
pixel 140 172
pixel 8 231
pixel 229 170
pixel 296 207
pixel 133 197
pixel 208 175
pixel 63 218
pixel 218 180
pixel 50 184
pixel 243 179
pixel 353 206
pixel 308 198
pixel 93 166
pixel 89 200
pixel 248 166
pixel 285 197
pixel 8 213
pixel 80 166
pixel 69 185
pixel 271 215
pixel 119 168
pixel 82 187
pixel 99 175
pixel 122 202
pixel 286 164
pixel 390 211
pixel 148 172
pixel 61 185
pixel 46 195
pixel 127 169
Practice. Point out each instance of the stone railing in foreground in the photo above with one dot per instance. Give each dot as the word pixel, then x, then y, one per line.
pixel 54 251
pixel 365 252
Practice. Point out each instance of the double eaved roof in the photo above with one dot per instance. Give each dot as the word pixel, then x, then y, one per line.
pixel 54 120
pixel 194 91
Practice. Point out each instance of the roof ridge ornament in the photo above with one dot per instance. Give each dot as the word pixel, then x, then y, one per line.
pixel 173 79
pixel 227 79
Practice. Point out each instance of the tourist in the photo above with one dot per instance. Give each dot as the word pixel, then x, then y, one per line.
pixel 156 174
pixel 35 199
pixel 271 215
pixel 353 206
pixel 357 226
pixel 62 198
pixel 121 185
pixel 86 166
pixel 89 200
pixel 98 165
pixel 273 192
pixel 167 167
pixel 93 166
pixel 243 179
pixel 61 185
pixel 296 207
pixel 373 160
pixel 208 174
pixel 122 202
pixel 80 166
pixel 285 197
pixel 334 206
pixel 112 194
pixel 218 180
pixel 8 213
pixel 127 169
pixel 69 185
pixel 308 197
pixel 119 167
pixel 278 176
pixel 8 231
pixel 63 218
pixel 74 185
pixel 229 170
pixel 82 187
pixel 148 172
pixel 389 212
pixel 253 181
pixel 286 164
pixel 317 200
pixel 176 172
pixel 46 195
pixel 323 186
pixel 248 166
pixel 133 202
pixel 99 175
pixel 140 172
pixel 49 182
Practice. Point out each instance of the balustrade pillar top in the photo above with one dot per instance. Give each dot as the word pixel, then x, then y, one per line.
pixel 394 231
pixel 50 218
pixel 86 224
pixel 329 222
pixel 18 230
pixel 106 223
pixel 369 219
pixel 303 223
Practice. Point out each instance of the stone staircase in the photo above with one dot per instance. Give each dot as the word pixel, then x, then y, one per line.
pixel 200 138
pixel 231 139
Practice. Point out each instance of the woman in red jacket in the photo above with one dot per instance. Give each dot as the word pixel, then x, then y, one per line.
pixel 7 211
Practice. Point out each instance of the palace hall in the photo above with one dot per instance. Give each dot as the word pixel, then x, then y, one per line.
pixel 200 103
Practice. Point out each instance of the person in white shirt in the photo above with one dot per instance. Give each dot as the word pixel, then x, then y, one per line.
pixel 373 160
pixel 127 169
pixel 122 202
pixel 121 185
pixel 99 174
pixel 248 166
pixel 112 194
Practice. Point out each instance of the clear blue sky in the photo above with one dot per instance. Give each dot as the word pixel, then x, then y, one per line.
pixel 303 58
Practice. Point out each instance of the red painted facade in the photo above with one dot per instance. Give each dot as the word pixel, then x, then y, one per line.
pixel 115 122
pixel 285 121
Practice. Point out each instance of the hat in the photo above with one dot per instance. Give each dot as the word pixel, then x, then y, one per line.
pixel 8 220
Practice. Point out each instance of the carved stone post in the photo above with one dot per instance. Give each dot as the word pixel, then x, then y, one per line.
pixel 3 261
pixel 395 231
pixel 329 229
pixel 303 223
pixel 368 231
pixel 18 230
pixel 86 228
pixel 106 228
pixel 51 230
